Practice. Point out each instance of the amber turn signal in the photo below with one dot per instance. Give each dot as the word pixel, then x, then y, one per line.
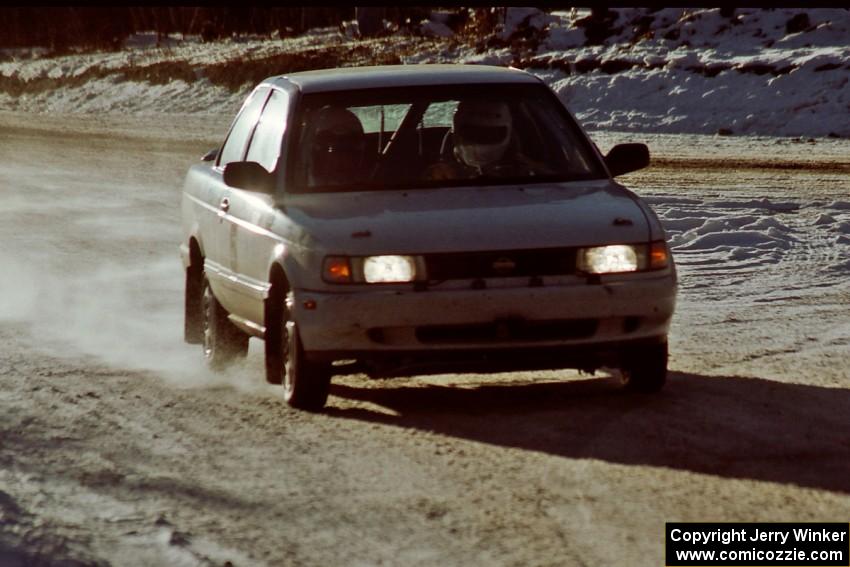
pixel 337 269
pixel 659 256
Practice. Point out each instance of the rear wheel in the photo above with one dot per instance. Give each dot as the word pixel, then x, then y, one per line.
pixel 646 369
pixel 193 313
pixel 223 341
pixel 306 384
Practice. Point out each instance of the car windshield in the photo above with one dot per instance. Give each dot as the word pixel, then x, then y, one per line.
pixel 453 135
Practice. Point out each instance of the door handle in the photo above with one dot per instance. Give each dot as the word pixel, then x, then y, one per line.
pixel 224 206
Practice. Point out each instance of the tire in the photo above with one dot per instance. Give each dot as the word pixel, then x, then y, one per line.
pixel 306 384
pixel 193 312
pixel 646 369
pixel 223 342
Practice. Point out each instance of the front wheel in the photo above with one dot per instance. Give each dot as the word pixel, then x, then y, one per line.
pixel 306 384
pixel 646 369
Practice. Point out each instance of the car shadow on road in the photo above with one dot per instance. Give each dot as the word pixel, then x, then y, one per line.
pixel 732 427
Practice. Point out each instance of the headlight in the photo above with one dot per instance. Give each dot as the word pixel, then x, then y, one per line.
pixel 389 269
pixel 373 269
pixel 623 258
pixel 608 259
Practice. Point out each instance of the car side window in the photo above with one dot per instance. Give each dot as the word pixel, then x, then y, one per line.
pixel 234 146
pixel 439 114
pixel 268 136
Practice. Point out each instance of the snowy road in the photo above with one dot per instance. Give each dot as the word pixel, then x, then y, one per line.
pixel 116 447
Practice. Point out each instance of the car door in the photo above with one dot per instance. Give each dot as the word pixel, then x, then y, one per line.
pixel 220 255
pixel 253 212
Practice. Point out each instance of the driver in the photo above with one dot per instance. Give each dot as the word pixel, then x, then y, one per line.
pixel 482 133
pixel 337 147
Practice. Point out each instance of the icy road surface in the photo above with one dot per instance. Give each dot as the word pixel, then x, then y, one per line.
pixel 116 447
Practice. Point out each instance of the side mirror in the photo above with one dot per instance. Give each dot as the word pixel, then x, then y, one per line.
pixel 248 175
pixel 625 158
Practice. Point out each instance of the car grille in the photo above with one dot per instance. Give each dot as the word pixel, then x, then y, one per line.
pixel 500 264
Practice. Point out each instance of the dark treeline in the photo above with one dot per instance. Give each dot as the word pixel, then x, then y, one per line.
pixel 62 28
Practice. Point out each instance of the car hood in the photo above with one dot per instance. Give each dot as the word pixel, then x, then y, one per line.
pixel 470 218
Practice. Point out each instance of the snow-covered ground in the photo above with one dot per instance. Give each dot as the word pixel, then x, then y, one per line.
pixel 698 71
pixel 675 70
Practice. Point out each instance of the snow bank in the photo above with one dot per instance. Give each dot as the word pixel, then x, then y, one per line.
pixel 779 72
pixel 697 71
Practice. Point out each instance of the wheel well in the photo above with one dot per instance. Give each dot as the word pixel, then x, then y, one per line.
pixel 279 287
pixel 193 330
pixel 272 310
pixel 196 258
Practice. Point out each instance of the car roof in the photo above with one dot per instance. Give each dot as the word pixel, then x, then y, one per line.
pixel 380 76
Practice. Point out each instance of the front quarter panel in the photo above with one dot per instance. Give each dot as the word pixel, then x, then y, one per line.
pixel 656 230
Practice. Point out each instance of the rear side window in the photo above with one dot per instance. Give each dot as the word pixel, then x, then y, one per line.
pixel 383 118
pixel 439 114
pixel 234 146
pixel 267 139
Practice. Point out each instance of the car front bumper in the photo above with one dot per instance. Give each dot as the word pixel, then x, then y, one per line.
pixel 560 316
